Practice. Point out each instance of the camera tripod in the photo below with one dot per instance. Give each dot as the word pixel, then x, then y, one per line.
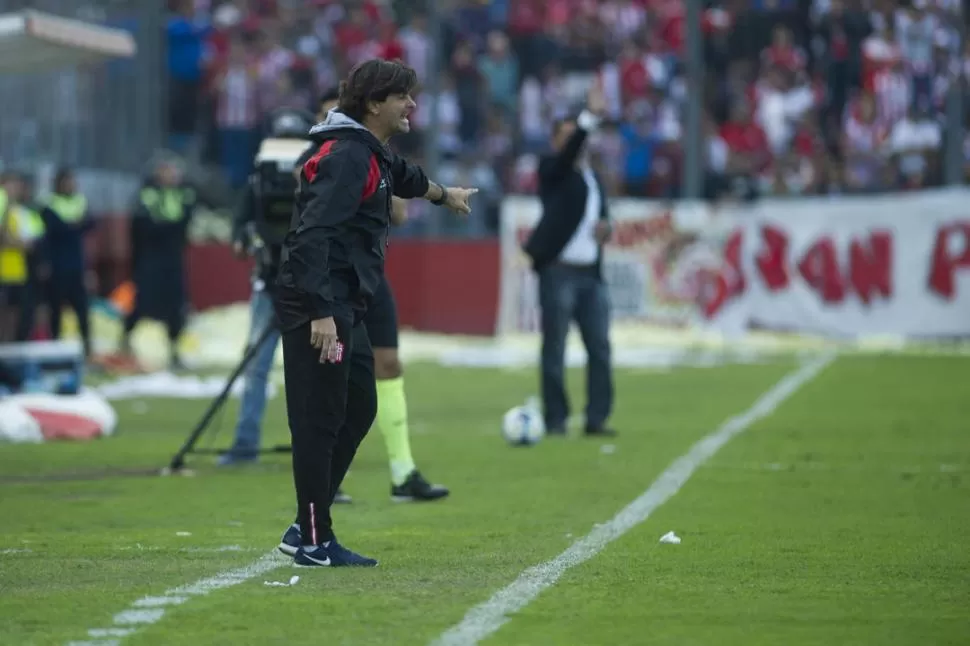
pixel 178 460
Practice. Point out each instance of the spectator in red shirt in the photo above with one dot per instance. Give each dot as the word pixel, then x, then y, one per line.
pixel 351 34
pixel 749 152
pixel 782 52
pixel 391 48
pixel 634 80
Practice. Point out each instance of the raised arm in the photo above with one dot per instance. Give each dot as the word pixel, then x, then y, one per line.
pixel 554 168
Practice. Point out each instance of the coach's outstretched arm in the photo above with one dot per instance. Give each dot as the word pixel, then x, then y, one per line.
pixel 336 184
pixel 410 182
pixel 553 169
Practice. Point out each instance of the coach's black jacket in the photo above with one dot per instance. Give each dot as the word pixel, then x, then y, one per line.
pixel 333 255
pixel 563 192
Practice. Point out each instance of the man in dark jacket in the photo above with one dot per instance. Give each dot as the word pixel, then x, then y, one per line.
pixel 331 266
pixel 566 251
pixel 67 221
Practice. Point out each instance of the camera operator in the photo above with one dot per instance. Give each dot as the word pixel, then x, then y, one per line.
pixel 262 220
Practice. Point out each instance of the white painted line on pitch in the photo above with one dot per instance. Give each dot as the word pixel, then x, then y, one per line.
pixel 486 618
pixel 150 610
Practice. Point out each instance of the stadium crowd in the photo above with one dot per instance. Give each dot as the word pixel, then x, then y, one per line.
pixel 801 96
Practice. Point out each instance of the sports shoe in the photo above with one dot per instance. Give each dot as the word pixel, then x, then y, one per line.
pixel 416 488
pixel 291 540
pixel 332 555
pixel 341 498
pixel 233 458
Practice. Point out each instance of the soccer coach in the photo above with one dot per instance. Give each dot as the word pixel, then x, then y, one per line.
pixel 331 263
pixel 566 251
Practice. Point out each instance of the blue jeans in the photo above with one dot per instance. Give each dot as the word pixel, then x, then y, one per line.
pixel 568 294
pixel 253 403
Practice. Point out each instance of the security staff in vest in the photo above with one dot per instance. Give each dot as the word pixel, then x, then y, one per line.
pixel 159 227
pixel 67 221
pixel 566 252
pixel 32 230
pixel 13 258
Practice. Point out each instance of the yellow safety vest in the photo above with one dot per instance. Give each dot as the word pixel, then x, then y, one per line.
pixel 69 208
pixel 167 205
pixel 13 262
pixel 31 223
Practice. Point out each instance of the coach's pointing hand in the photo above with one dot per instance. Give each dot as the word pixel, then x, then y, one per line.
pixel 323 337
pixel 456 199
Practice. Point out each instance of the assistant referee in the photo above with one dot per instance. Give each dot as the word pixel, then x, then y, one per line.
pixel 331 265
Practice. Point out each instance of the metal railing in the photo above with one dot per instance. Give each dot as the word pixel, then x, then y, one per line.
pixel 106 117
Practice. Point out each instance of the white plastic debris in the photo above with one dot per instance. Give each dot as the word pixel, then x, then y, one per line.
pixel 280 584
pixel 183 533
pixel 671 538
pixel 294 580
pixel 608 449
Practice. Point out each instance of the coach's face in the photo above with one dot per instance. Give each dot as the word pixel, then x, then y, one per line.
pixel 394 113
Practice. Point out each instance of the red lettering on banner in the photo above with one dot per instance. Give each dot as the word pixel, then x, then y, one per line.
pixel 734 273
pixel 820 269
pixel 771 260
pixel 945 264
pixel 630 233
pixel 871 266
pixel 719 288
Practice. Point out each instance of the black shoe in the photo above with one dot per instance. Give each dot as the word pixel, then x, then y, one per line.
pixel 332 555
pixel 599 431
pixel 417 489
pixel 341 498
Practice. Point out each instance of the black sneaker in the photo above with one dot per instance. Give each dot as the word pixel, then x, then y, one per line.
pixel 332 555
pixel 417 489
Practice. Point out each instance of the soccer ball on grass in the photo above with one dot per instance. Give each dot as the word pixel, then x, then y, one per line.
pixel 523 426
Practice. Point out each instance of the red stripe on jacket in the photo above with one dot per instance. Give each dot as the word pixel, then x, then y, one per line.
pixel 373 172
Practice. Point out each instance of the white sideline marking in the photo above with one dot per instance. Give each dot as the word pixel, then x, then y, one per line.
pixel 486 618
pixel 138 547
pixel 150 610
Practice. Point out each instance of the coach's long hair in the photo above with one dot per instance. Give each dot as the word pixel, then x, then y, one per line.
pixel 374 80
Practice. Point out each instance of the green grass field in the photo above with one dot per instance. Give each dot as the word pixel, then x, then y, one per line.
pixel 842 518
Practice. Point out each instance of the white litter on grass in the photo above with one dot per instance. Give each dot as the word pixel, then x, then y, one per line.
pixel 608 449
pixel 279 584
pixel 671 538
pixel 183 533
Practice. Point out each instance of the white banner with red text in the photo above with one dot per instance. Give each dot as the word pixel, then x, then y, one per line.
pixel 850 267
pixel 841 267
